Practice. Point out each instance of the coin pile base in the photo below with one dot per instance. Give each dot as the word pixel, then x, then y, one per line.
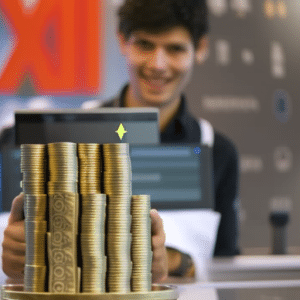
pixel 159 292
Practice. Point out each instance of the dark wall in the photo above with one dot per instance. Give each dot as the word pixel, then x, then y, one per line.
pixel 249 88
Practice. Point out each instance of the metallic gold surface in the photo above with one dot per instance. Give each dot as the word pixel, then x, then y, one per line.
pixel 34 279
pixel 33 167
pixel 93 243
pixel 63 165
pixel 63 218
pixel 62 252
pixel 141 253
pixel 93 214
pixel 117 187
pixel 159 292
pixel 89 168
pixel 35 207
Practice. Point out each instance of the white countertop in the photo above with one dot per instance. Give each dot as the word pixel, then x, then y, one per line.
pixel 255 263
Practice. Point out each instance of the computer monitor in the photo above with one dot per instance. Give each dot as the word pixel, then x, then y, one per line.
pixel 175 176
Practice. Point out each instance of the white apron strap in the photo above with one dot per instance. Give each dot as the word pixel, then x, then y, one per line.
pixel 207 133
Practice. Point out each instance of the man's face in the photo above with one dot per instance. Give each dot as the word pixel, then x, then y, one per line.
pixel 160 64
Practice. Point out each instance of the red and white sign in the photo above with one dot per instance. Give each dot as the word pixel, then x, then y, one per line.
pixel 57 43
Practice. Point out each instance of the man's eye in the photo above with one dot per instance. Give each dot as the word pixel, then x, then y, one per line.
pixel 145 45
pixel 176 49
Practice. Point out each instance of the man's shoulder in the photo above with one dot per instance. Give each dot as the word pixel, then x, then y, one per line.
pixel 107 103
pixel 113 101
pixel 224 146
pixel 226 162
pixel 7 137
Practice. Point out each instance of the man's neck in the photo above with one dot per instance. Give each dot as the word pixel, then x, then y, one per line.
pixel 166 113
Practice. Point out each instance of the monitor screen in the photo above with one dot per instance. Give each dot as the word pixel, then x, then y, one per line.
pixel 175 176
pixel 88 126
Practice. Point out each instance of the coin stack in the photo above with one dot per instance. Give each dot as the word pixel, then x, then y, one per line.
pixel 117 187
pixel 89 168
pixel 141 252
pixel 63 218
pixel 33 167
pixel 93 211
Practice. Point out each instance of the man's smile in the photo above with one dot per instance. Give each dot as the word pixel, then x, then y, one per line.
pixel 156 83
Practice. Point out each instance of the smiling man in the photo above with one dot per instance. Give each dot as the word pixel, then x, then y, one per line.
pixel 162 41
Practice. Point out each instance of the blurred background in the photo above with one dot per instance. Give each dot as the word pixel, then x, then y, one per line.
pixel 247 86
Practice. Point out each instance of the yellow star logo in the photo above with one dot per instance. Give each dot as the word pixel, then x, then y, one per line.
pixel 121 131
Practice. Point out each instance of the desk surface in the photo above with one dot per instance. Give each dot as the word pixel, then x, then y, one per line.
pixel 246 278
pixel 255 262
pixel 254 290
pixel 246 268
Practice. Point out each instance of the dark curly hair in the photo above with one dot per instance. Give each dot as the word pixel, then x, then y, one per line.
pixel 160 15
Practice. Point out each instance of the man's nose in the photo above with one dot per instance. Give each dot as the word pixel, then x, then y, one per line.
pixel 158 60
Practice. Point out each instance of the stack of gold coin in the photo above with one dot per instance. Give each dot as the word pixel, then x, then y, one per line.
pixel 117 186
pixel 141 252
pixel 63 218
pixel 35 229
pixel 63 168
pixel 35 268
pixel 93 214
pixel 89 168
pixel 33 167
pixel 93 243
